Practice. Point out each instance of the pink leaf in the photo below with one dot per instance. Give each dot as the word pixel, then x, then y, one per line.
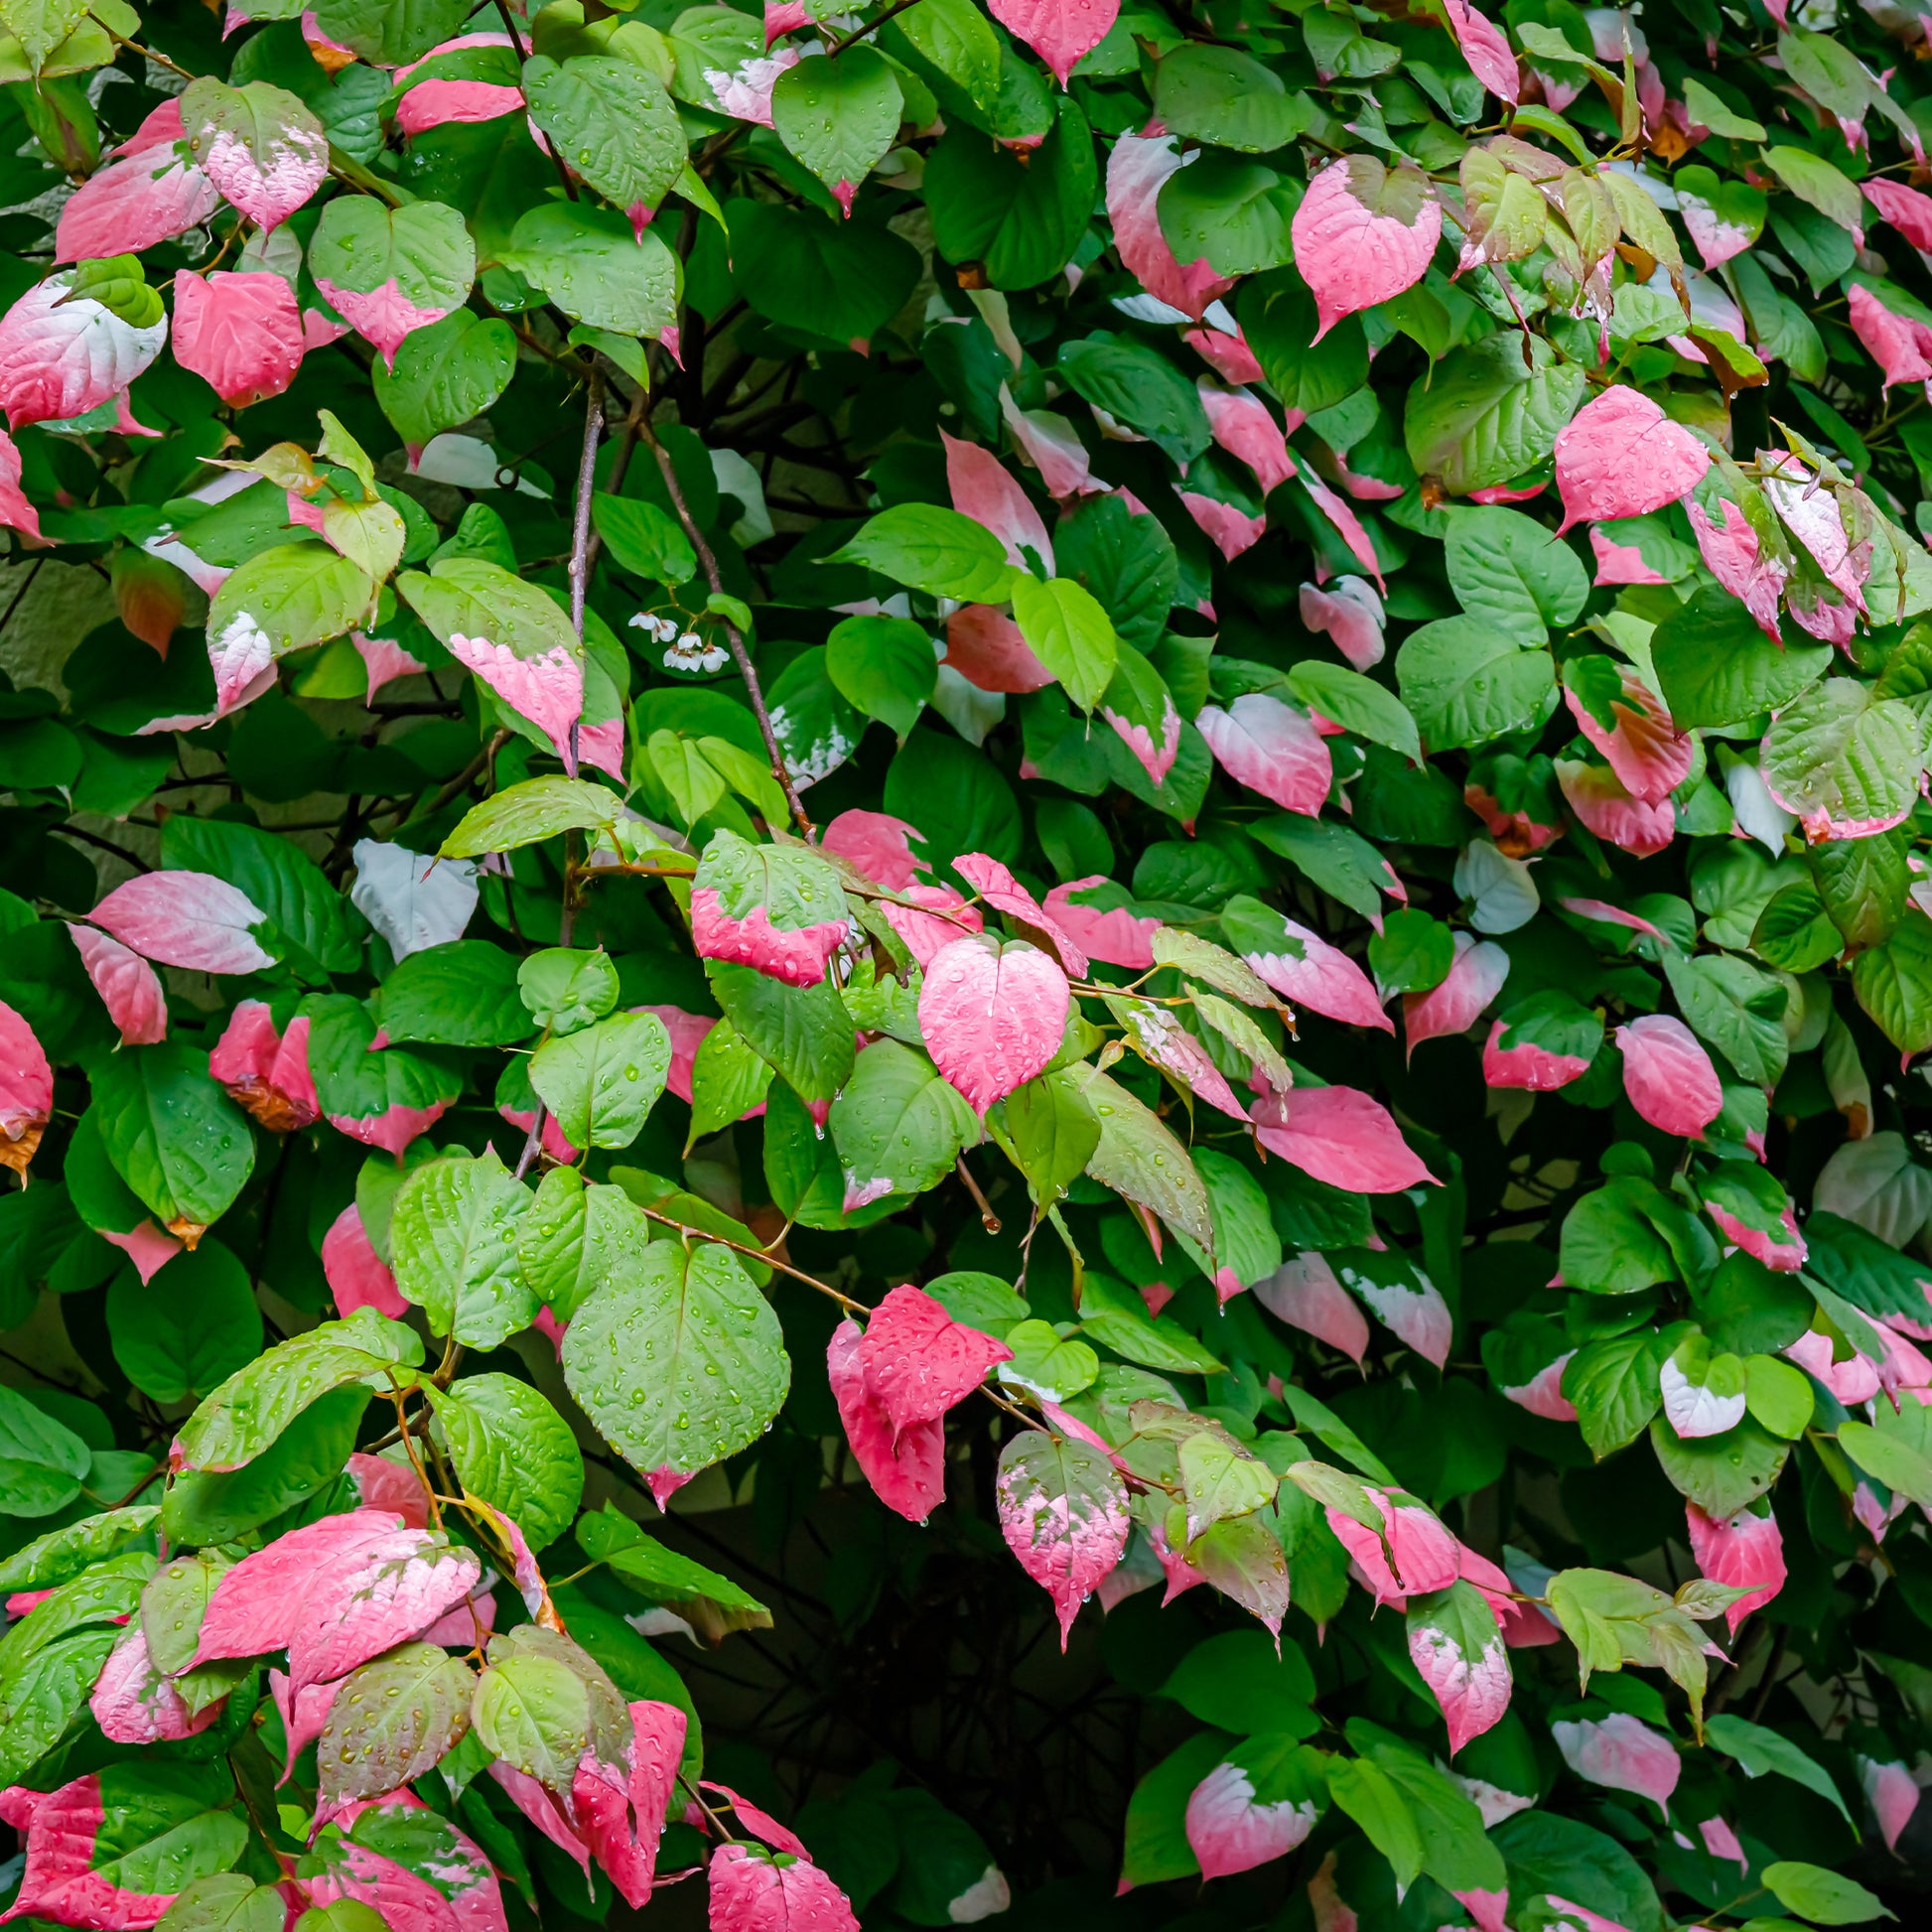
pixel 393 1128
pixel 750 1892
pixel 1047 440
pixel 1005 893
pixel 687 1031
pixel 1137 169
pixel 1717 236
pixel 383 316
pixel 991 1018
pixel 1598 797
pixel 1473 1689
pixel 908 1468
pixel 984 489
pixel 1909 211
pixel 297 164
pixel 1851 1381
pixel 382 1485
pixel 1743 1550
pixel 1486 48
pixel 1896 342
pixel 1427 1556
pixel 759 1822
pixel 1668 1076
pixel 1348 526
pixel 1063 1512
pixel 1620 563
pixel 621 1825
pixel 1154 750
pixel 1622 1753
pixel 186 919
pixel 1414 1312
pixel 877 843
pixel 1160 1038
pixel 135 1704
pixel 357 1275
pixel 1526 1065
pixel 1786 1256
pixel 1120 938
pixel 149 196
pixel 1351 613
pixel 26 1090
pixel 1567 1910
pixel 383 658
pixel 797 957
pixel 242 334
pixel 534 1801
pixel 1542 1394
pixel 1622 456
pixel 16 513
pixel 1892 1793
pixel 1364 234
pixel 1324 980
pixel 1303 1293
pixel 1229 529
pixel 60 1882
pixel 926 932
pixel 1812 515
pixel 266 1075
pixel 1645 750
pixel 1455 1005
pixel 1061 32
pixel 547 689
pixel 128 986
pixel 1341 1135
pixel 435 103
pixel 1730 553
pixel 461 44
pixel 919 1361
pixel 985 648
pixel 305 1715
pixel 785 17
pixel 1271 747
pixel 1229 1832
pixel 1243 426
pixel 1229 356
pixel 147 1246
pixel 60 360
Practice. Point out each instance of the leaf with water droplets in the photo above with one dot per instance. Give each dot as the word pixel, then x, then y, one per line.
pixel 453 1246
pixel 1063 1512
pixel 681 1363
pixel 393 1720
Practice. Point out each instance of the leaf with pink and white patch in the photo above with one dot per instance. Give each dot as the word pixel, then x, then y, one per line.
pixel 63 354
pixel 1272 748
pixel 777 907
pixel 1138 706
pixel 410 1866
pixel 510 634
pixel 1306 969
pixel 1258 1804
pixel 1062 1509
pixel 258 144
pixel 1364 234
pixel 1456 1646
pixel 388 271
pixel 993 1016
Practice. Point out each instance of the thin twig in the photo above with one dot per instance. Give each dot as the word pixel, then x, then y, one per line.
pixel 580 531
pixel 746 669
pixel 105 844
pixel 32 571
pixel 838 46
pixel 988 1219
pixel 467 777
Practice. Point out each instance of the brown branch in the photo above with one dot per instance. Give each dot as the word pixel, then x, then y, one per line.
pixel 838 46
pixel 746 669
pixel 104 845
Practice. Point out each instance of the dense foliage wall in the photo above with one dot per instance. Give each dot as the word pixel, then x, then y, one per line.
pixel 986 963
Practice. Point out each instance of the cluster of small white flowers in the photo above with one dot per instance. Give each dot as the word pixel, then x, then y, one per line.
pixel 688 651
pixel 663 630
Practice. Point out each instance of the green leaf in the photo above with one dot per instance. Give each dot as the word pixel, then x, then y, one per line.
pixel 58 1556
pixel 573 1238
pixel 227 1902
pixel 1511 573
pixel 1795 932
pixel 712 1605
pixel 1613 1385
pixel 1046 1364
pixel 1053 1131
pixel 1814 180
pixel 1068 631
pixel 42 1462
pixel 885 666
pixel 1893 983
pixel 1715 666
pixel 453 1248
pixel 476 597
pixel 278 877
pixel 1720 1473
pixel 1277 316
pixel 588 261
pixel 931 549
pixel 1465 682
pixel 960 42
pixel 803 1032
pixel 602 1083
pixel 523 814
pixel 1373 1799
pixel 189 1341
pixel 680 1363
pixel 445 375
pixel 1117 1318
pixel 612 120
pixel 897 1126
pixel 839 280
pixel 174 1136
pixel 1757 1750
pixel 1825 1898
pixel 297 594
pixel 512 1448
pixel 1610 1243
pixel 564 988
pixel 1139 1157
pixel 1864 885
pixel 1356 703
pixel 393 1720
pixel 390 32
pixel 461 994
pixel 1844 760
pixel 645 540
pixel 839 118
pixel 1736 1008
pixel 1021 221
pixel 307 1454
pixel 1227 99
pixel 1157 1847
pixel 1140 387
pixel 1485 416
